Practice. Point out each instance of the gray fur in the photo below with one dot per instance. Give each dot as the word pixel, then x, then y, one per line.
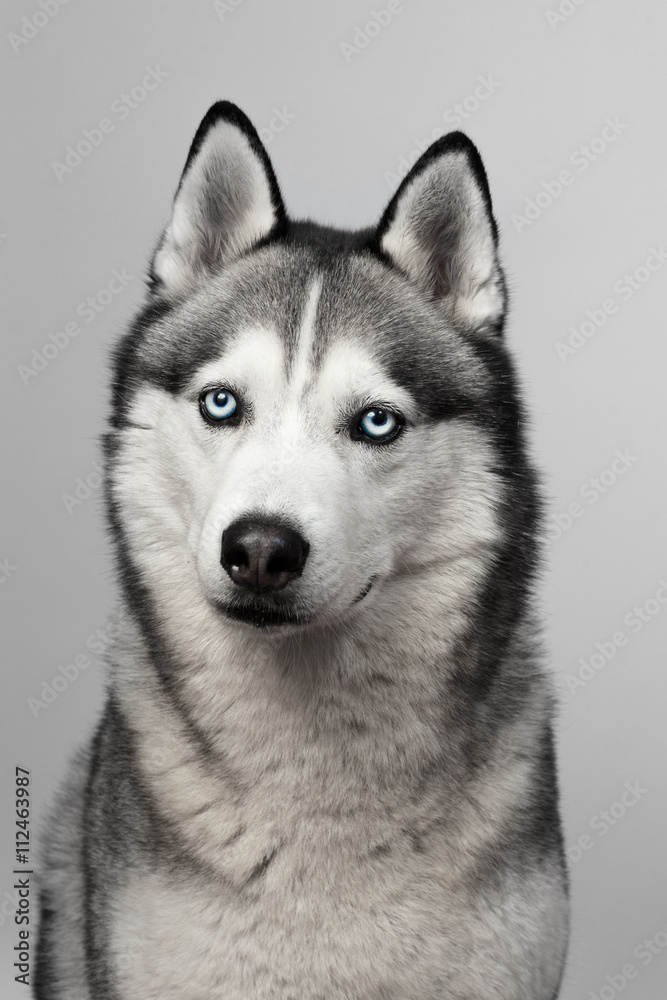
pixel 361 803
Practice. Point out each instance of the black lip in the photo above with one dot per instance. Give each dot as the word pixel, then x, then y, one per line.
pixel 262 617
pixel 366 589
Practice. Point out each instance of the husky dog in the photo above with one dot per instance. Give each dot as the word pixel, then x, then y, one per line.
pixel 325 769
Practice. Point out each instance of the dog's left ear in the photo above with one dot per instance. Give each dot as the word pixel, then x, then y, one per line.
pixel 227 202
pixel 440 231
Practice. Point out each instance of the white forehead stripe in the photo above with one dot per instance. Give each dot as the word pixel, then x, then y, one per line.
pixel 302 367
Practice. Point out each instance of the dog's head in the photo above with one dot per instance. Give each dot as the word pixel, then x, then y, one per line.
pixel 310 426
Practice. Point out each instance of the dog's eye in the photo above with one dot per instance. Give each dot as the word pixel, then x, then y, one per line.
pixel 378 425
pixel 218 405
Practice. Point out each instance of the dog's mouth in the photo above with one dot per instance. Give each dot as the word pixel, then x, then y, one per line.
pixel 365 591
pixel 262 615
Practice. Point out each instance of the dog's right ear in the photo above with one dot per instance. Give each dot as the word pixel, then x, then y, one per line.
pixel 227 202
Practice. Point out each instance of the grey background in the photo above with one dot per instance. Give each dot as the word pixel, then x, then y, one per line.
pixel 353 119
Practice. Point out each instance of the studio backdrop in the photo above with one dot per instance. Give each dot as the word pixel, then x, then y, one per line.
pixel 567 102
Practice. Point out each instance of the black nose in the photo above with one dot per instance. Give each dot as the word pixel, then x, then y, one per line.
pixel 263 555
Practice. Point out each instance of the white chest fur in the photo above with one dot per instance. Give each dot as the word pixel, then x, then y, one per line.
pixel 311 870
pixel 320 921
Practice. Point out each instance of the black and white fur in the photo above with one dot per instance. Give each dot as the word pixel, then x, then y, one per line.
pixel 346 788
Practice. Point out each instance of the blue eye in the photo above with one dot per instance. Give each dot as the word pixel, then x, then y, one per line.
pixel 376 424
pixel 218 405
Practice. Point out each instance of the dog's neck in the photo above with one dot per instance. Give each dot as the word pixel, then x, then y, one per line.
pixel 238 734
pixel 281 726
pixel 256 697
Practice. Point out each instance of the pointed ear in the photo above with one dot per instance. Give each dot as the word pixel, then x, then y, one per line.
pixel 227 201
pixel 440 231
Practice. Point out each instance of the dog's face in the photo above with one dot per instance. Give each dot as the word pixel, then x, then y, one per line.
pixel 309 427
